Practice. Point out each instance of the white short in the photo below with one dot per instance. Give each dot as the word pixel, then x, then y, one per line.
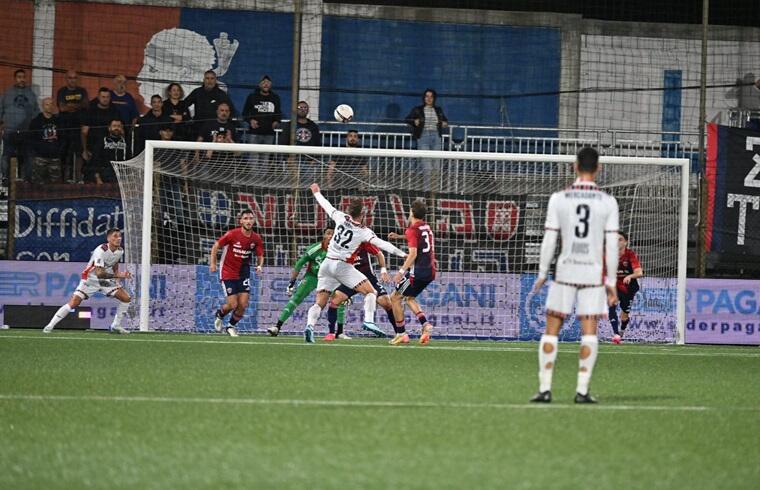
pixel 588 301
pixel 88 287
pixel 333 273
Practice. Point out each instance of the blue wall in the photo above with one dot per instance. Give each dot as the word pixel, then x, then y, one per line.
pixel 407 57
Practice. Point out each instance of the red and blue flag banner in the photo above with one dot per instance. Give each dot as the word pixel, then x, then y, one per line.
pixel 733 191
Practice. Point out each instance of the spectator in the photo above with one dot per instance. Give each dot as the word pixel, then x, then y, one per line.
pixel 96 122
pixel 222 123
pixel 349 171
pixel 428 122
pixel 152 121
pixel 123 100
pixel 307 131
pixel 176 108
pixel 207 98
pixel 72 105
pixel 45 145
pixel 109 148
pixel 18 106
pixel 263 112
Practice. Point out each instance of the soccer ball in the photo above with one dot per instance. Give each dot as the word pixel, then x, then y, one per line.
pixel 343 113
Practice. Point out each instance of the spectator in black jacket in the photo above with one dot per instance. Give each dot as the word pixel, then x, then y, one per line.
pixel 109 148
pixel 207 98
pixel 428 122
pixel 263 112
pixel 152 121
pixel 45 145
pixel 307 131
pixel 175 107
pixel 96 120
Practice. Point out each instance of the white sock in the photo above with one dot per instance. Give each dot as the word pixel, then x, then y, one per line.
pixel 586 366
pixel 62 312
pixel 121 308
pixel 370 305
pixel 546 361
pixel 313 315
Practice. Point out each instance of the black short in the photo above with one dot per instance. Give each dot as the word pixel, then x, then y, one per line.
pixel 236 286
pixel 411 287
pixel 372 280
pixel 626 299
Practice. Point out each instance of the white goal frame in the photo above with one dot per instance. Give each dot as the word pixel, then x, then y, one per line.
pixel 147 215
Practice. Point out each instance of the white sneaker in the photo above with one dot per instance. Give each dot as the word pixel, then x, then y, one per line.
pixel 218 324
pixel 119 330
pixel 47 329
pixel 231 331
pixel 344 337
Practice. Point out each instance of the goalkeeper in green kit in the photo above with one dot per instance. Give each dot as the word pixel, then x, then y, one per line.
pixel 313 258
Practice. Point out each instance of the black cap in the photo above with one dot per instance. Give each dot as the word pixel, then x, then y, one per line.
pixel 221 130
pixel 265 77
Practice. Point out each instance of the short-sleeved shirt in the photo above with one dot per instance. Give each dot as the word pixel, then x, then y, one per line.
pixel 420 236
pixel 627 263
pixel 74 96
pixel 583 215
pixel 104 257
pixel 237 254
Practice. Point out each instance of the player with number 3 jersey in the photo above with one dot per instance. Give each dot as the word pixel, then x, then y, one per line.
pixel 338 266
pixel 586 219
pixel 414 276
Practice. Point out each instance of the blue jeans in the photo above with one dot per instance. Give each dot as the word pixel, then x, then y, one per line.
pixel 429 140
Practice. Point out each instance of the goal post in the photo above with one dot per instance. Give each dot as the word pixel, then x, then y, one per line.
pixel 486 209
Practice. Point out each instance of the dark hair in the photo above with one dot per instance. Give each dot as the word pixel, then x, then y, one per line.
pixel 115 119
pixel 224 103
pixel 209 71
pixel 588 159
pixel 352 131
pixel 623 234
pixel 155 96
pixel 111 231
pixel 20 70
pixel 104 89
pixel 244 212
pixel 435 95
pixel 355 207
pixel 169 89
pixel 419 210
pixel 332 228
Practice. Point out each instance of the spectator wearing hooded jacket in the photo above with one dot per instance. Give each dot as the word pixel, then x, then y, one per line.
pixel 263 111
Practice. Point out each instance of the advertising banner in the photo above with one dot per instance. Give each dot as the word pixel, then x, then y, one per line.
pixel 720 311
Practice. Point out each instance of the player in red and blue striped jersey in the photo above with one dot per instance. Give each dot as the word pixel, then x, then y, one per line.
pixel 629 270
pixel 417 272
pixel 239 245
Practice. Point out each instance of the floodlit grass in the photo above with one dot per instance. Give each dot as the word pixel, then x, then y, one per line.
pixel 189 411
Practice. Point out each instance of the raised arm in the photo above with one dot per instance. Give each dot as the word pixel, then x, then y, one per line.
pixel 322 200
pixel 387 246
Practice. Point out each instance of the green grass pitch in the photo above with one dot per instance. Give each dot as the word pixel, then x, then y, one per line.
pixel 91 410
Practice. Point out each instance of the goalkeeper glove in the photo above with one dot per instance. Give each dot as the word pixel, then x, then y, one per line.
pixel 291 287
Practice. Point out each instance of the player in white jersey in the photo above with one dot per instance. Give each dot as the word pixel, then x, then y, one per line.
pixel 586 219
pixel 338 268
pixel 100 276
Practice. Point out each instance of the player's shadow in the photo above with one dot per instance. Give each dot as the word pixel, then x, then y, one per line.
pixel 640 398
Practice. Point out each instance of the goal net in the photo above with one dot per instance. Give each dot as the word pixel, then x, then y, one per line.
pixel 487 212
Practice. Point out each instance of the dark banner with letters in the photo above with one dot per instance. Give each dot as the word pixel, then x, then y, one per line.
pixel 65 230
pixel 733 180
pixel 473 232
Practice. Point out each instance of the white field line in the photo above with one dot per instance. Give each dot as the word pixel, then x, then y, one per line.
pixel 363 404
pixel 436 346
